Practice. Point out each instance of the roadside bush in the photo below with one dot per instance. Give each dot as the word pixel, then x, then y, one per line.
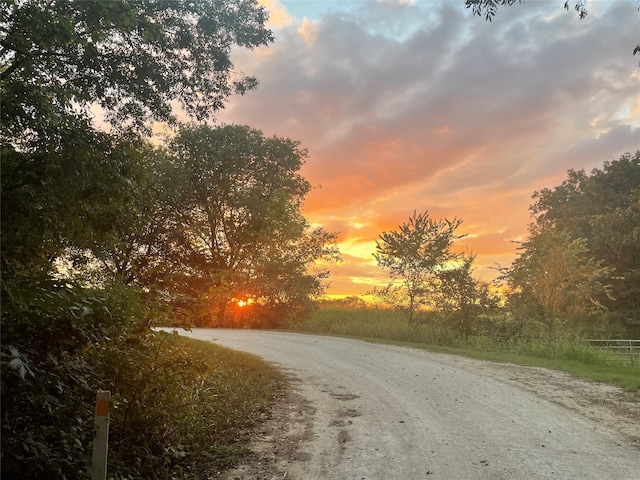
pixel 51 332
pixel 184 410
pixel 180 408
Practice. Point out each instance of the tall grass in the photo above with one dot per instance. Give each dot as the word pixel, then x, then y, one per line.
pixel 374 323
pixel 550 347
pixel 184 412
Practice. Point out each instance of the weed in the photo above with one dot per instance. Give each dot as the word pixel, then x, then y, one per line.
pixel 187 411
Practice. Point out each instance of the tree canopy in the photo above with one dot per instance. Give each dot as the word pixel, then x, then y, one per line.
pixel 236 197
pixel 584 246
pixel 132 58
pixel 555 277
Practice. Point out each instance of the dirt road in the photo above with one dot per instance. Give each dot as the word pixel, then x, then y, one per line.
pixel 377 412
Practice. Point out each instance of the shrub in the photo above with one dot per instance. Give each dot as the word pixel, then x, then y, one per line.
pixel 184 410
pixel 179 407
pixel 51 332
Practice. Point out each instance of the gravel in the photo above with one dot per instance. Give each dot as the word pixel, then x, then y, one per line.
pixel 360 411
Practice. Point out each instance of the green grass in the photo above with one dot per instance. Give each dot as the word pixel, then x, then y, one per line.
pixel 555 353
pixel 188 409
pixel 625 377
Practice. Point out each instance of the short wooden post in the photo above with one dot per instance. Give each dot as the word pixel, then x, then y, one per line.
pixel 101 439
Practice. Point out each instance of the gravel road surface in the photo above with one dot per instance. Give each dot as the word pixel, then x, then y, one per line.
pixel 376 412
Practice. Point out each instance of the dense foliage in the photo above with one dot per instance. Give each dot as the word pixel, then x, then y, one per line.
pixel 180 409
pixel 93 233
pixel 53 335
pixel 582 257
pixel 133 58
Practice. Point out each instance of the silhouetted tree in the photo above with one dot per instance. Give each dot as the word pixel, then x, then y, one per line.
pixel 413 254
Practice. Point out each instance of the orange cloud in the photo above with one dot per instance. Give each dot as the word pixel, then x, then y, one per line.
pixel 278 15
pixel 308 31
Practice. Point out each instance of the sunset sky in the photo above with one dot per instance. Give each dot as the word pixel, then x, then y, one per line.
pixel 408 106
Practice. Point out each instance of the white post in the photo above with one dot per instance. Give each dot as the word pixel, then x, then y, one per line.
pixel 101 439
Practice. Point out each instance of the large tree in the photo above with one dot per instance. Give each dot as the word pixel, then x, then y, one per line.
pixel 58 59
pixel 413 255
pixel 555 277
pixel 237 197
pixel 585 234
pixel 601 208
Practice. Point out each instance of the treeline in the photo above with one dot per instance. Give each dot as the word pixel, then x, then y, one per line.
pixel 194 226
pixel 581 261
pixel 577 272
pixel 105 233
